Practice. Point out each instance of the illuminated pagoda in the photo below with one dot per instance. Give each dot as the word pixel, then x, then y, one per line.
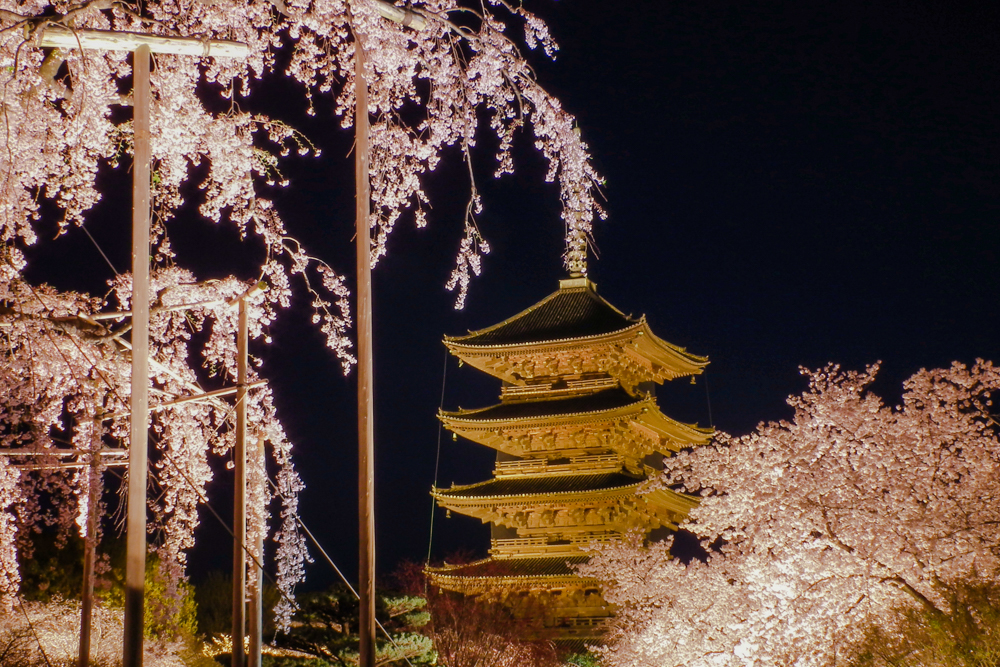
pixel 577 433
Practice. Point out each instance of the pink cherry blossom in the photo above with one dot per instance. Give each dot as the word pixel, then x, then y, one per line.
pixel 818 526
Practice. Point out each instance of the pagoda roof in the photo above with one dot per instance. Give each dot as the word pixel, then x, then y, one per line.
pixel 487 425
pixel 575 310
pixel 513 567
pixel 554 572
pixel 609 399
pixel 561 334
pixel 513 487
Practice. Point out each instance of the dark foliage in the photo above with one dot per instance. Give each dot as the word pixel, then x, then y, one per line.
pixel 967 636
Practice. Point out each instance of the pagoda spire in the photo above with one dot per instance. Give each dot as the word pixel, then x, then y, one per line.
pixel 576 252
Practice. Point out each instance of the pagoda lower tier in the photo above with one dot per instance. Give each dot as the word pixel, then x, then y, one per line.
pixel 549 519
pixel 544 592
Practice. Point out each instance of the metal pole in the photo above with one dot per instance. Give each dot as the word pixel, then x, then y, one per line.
pixel 257 594
pixel 135 561
pixel 366 413
pixel 90 546
pixel 240 493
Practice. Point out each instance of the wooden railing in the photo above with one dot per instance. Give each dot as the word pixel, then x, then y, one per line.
pixel 576 463
pixel 526 547
pixel 546 389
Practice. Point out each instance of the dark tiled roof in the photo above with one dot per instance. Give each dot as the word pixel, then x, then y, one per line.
pixel 568 313
pixel 526 486
pixel 609 399
pixel 516 567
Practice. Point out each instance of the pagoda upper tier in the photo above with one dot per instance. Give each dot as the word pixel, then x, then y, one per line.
pixel 571 339
pixel 587 423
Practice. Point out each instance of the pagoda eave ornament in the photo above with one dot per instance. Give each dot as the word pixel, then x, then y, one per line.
pixel 618 510
pixel 633 355
pixel 634 431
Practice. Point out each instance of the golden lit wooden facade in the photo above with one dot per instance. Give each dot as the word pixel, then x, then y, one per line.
pixel 577 433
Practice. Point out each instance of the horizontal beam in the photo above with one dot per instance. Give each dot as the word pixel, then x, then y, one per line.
pixel 65 465
pixel 120 314
pixel 207 395
pixel 62 452
pixel 58 37
pixel 254 289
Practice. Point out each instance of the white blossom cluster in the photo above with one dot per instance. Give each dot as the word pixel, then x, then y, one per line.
pixel 821 526
pixel 65 373
pixel 40 633
pixel 66 117
pixel 63 112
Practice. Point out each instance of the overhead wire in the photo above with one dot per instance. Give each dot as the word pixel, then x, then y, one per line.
pixel 334 565
pixel 31 626
pixel 437 458
pixel 96 245
pixel 260 565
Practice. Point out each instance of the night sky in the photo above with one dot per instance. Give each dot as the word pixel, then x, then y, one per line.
pixel 789 184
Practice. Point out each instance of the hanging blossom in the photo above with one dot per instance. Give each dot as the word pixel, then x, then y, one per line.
pixel 489 73
pixel 66 118
pixel 827 524
pixel 428 83
pixel 65 369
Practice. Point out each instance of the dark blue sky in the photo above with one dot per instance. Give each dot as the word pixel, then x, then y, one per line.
pixel 789 183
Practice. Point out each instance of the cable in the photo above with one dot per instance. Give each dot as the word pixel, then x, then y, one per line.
pixel 323 551
pixel 334 565
pixel 253 558
pixel 94 241
pixel 437 459
pixel 31 626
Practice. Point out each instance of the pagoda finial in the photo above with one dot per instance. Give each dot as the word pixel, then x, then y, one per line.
pixel 576 251
pixel 575 280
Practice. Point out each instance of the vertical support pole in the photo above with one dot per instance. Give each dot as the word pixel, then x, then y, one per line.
pixel 366 411
pixel 257 588
pixel 240 493
pixel 135 559
pixel 90 545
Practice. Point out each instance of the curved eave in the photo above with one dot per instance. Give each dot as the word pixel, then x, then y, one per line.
pixel 675 360
pixel 455 342
pixel 465 416
pixel 667 354
pixel 527 581
pixel 441 575
pixel 645 412
pixel 575 304
pixel 453 495
pixel 663 425
pixel 671 500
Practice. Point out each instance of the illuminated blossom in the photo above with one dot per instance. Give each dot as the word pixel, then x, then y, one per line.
pixel 826 524
pixel 65 118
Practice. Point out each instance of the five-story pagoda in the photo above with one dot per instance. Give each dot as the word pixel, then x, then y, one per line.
pixel 577 433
